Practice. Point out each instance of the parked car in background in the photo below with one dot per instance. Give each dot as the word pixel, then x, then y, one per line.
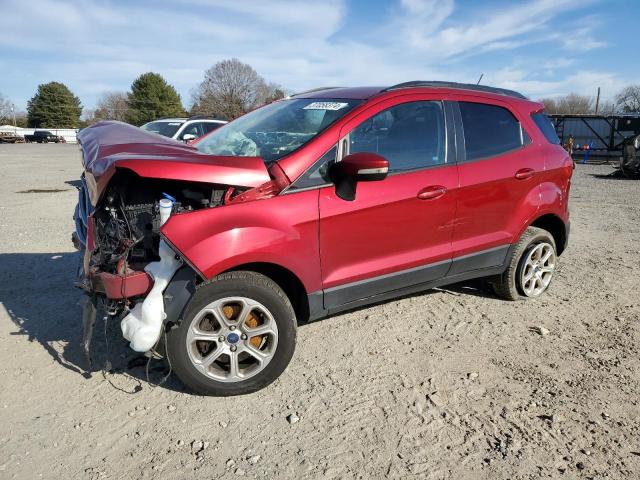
pixel 311 205
pixel 183 129
pixel 43 136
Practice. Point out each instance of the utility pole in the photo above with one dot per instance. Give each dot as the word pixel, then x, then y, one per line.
pixel 598 100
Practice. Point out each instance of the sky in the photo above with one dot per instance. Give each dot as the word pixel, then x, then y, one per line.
pixel 539 47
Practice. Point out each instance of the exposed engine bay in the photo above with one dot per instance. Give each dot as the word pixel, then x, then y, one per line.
pixel 127 265
pixel 128 259
pixel 127 219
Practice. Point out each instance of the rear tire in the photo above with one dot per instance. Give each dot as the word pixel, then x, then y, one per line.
pixel 216 349
pixel 529 273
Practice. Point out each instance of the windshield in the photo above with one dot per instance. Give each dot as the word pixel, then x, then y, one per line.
pixel 168 129
pixel 273 131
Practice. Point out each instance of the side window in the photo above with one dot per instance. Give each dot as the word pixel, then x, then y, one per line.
pixel 490 130
pixel 546 127
pixel 210 126
pixel 192 129
pixel 410 136
pixel 318 173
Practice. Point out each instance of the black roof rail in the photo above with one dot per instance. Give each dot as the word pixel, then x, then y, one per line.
pixel 319 89
pixel 463 86
pixel 204 117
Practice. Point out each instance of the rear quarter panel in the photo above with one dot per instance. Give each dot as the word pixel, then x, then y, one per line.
pixel 555 177
pixel 556 181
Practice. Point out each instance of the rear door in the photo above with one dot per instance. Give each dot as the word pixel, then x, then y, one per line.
pixel 397 232
pixel 499 175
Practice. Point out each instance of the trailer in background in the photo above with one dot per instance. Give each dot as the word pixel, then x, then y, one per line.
pixel 599 135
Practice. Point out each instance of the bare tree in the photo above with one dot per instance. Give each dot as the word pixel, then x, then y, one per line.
pixel 575 103
pixel 569 104
pixel 6 116
pixel 270 93
pixel 231 88
pixel 111 106
pixel 628 100
pixel 550 105
pixel 607 108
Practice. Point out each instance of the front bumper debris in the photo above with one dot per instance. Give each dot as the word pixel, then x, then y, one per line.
pixel 123 286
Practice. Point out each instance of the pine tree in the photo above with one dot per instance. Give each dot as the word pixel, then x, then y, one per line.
pixel 54 106
pixel 151 97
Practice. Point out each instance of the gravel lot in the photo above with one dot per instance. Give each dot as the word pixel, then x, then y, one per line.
pixel 449 384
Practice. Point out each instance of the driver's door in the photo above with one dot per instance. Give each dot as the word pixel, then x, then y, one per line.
pixel 398 231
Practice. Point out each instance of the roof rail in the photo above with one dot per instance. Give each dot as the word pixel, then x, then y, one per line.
pixel 204 117
pixel 462 86
pixel 313 90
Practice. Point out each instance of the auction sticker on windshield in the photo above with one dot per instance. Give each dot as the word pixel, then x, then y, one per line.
pixel 325 106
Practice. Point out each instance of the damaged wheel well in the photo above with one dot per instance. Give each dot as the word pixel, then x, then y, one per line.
pixel 286 280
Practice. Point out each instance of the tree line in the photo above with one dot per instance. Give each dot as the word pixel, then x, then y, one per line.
pixel 229 89
pixel 626 101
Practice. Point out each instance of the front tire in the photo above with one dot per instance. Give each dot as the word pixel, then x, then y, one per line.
pixel 237 335
pixel 531 268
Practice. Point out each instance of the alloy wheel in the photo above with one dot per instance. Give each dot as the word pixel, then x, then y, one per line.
pixel 537 269
pixel 232 339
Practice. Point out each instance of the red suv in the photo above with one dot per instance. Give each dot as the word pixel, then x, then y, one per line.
pixel 321 202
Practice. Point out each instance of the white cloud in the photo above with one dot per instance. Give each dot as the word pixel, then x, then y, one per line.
pixel 103 45
pixel 498 28
pixel 582 81
pixel 581 38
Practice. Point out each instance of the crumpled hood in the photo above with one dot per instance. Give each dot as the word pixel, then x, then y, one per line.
pixel 110 144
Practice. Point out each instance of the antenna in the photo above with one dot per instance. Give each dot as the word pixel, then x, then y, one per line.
pixel 478 82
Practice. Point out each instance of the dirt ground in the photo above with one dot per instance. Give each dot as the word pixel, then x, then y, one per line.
pixel 449 384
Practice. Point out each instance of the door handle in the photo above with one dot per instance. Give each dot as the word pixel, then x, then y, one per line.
pixel 525 173
pixel 432 192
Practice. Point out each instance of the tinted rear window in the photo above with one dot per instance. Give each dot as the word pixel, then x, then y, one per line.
pixel 489 130
pixel 545 125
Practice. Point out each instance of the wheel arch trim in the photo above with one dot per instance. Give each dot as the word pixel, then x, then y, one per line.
pixel 552 223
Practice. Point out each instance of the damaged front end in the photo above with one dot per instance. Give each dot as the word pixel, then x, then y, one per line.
pixel 133 183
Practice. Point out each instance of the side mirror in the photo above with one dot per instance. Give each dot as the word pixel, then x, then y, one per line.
pixel 187 137
pixel 357 167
